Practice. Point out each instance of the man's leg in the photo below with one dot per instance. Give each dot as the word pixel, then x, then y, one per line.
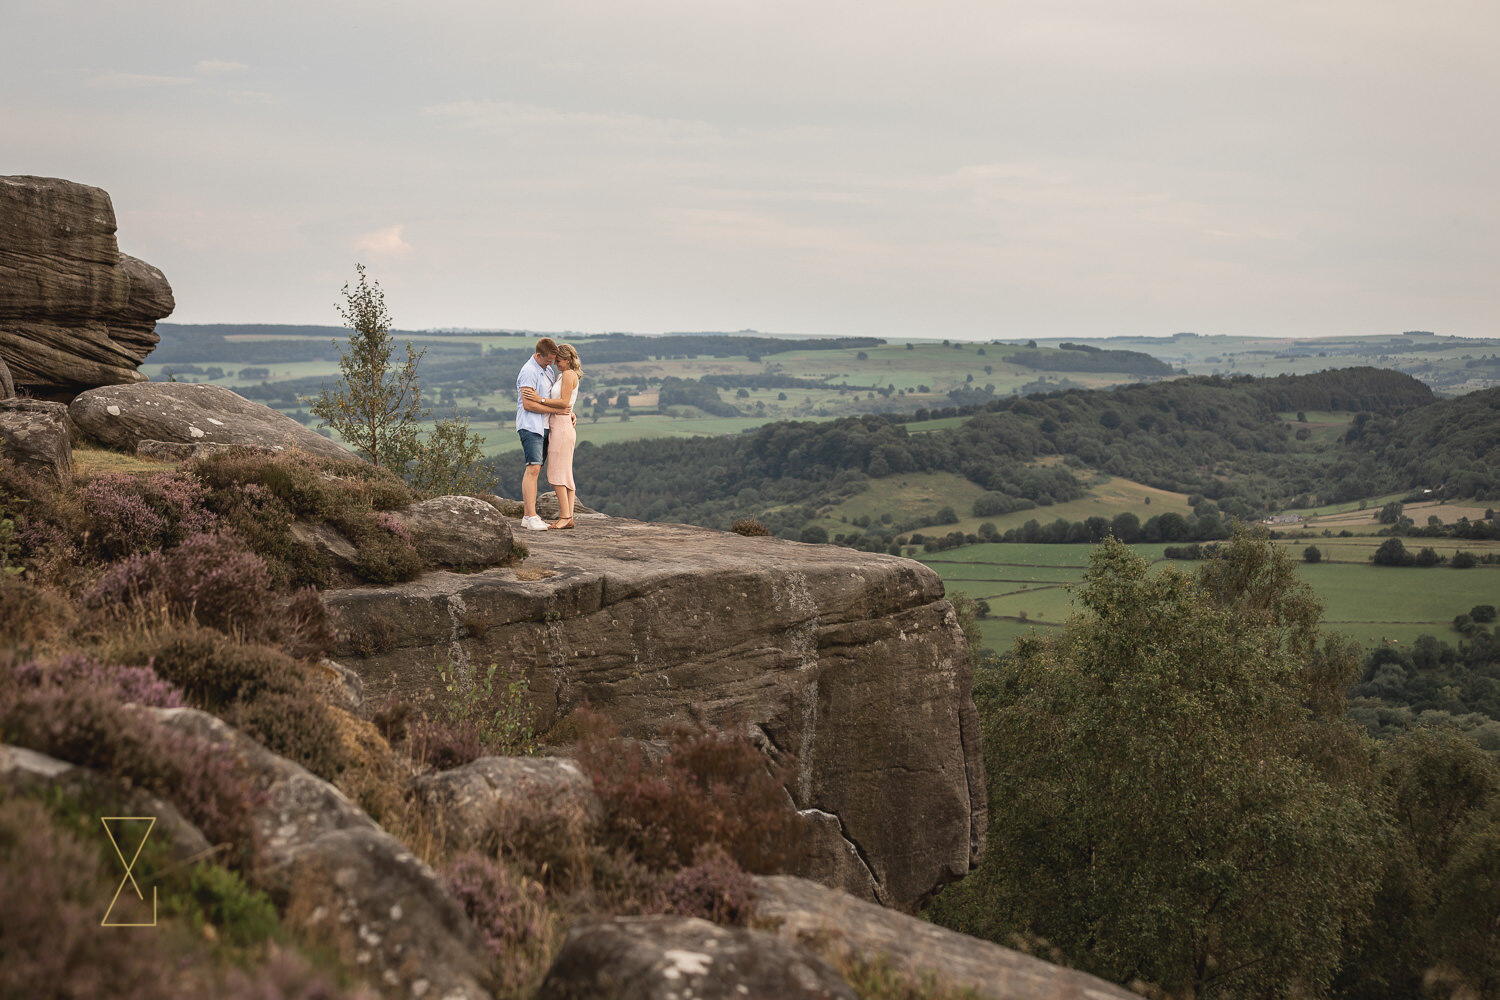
pixel 528 488
pixel 533 448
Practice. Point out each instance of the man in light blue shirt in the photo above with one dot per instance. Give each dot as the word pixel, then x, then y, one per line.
pixel 533 386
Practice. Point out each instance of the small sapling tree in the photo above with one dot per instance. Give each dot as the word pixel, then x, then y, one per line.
pixel 376 406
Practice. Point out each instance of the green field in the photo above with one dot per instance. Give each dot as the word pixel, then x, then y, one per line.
pixel 1026 586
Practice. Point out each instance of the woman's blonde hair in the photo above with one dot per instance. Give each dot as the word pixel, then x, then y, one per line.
pixel 570 352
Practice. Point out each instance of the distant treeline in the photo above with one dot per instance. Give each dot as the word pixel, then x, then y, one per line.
pixel 186 343
pixel 1192 435
pixel 1085 358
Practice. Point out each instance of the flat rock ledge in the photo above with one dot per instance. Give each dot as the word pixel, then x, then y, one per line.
pixel 850 662
pixel 802 912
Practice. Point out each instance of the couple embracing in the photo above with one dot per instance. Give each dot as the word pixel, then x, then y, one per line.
pixel 546 423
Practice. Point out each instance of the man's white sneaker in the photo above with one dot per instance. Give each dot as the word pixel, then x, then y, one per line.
pixel 534 523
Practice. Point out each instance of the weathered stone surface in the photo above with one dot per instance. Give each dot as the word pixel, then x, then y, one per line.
pixel 669 958
pixel 509 799
pixel 29 771
pixel 852 662
pixel 339 685
pixel 34 434
pixel 74 311
pixel 831 859
pixel 7 384
pixel 327 540
pixel 804 912
pixel 348 882
pixel 458 531
pixel 176 451
pixel 122 416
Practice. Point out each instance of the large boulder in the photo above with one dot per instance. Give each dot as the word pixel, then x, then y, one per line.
pixel 850 662
pixel 805 913
pixel 27 771
pixel 457 531
pixel 497 801
pixel 7 384
pixel 74 311
pixel 34 434
pixel 670 958
pixel 346 882
pixel 123 416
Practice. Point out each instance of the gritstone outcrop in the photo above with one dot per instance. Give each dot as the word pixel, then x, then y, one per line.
pixel 74 311
pixel 850 662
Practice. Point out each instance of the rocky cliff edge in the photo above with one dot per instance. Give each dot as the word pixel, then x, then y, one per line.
pixel 853 663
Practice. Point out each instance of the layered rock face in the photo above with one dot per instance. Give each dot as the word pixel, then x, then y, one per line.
pixel 851 662
pixel 74 312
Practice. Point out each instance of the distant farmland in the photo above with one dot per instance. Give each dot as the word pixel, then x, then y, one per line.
pixel 1027 586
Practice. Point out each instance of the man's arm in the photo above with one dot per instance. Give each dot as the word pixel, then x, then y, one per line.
pixel 536 404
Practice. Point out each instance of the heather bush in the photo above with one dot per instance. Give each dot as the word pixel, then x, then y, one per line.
pixel 294 725
pixel 129 513
pixel 139 685
pixel 284 976
pixel 46 522
pixel 216 581
pixel 443 743
pixel 213 579
pixel 213 670
pixel 51 944
pixel 711 788
pixel 306 626
pixel 386 554
pixel 264 521
pixel 259 495
pixel 749 526
pixel 88 726
pixel 508 910
pixel 29 614
pixel 715 888
pixel 256 687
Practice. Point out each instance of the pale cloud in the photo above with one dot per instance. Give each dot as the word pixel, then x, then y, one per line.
pixel 249 97
pixel 509 117
pixel 385 242
pixel 219 67
pixel 135 81
pixel 844 167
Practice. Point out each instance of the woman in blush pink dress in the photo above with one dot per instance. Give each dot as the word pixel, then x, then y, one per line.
pixel 564 435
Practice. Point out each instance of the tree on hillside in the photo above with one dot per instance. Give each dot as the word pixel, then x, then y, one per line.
pixel 376 406
pixel 1437 914
pixel 1168 804
pixel 1392 553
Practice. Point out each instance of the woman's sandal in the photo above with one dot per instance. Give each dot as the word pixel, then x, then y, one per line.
pixel 559 525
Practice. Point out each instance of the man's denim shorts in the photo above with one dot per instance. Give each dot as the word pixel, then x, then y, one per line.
pixel 534 445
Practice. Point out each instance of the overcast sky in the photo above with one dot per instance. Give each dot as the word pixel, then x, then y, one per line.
pixel 960 169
